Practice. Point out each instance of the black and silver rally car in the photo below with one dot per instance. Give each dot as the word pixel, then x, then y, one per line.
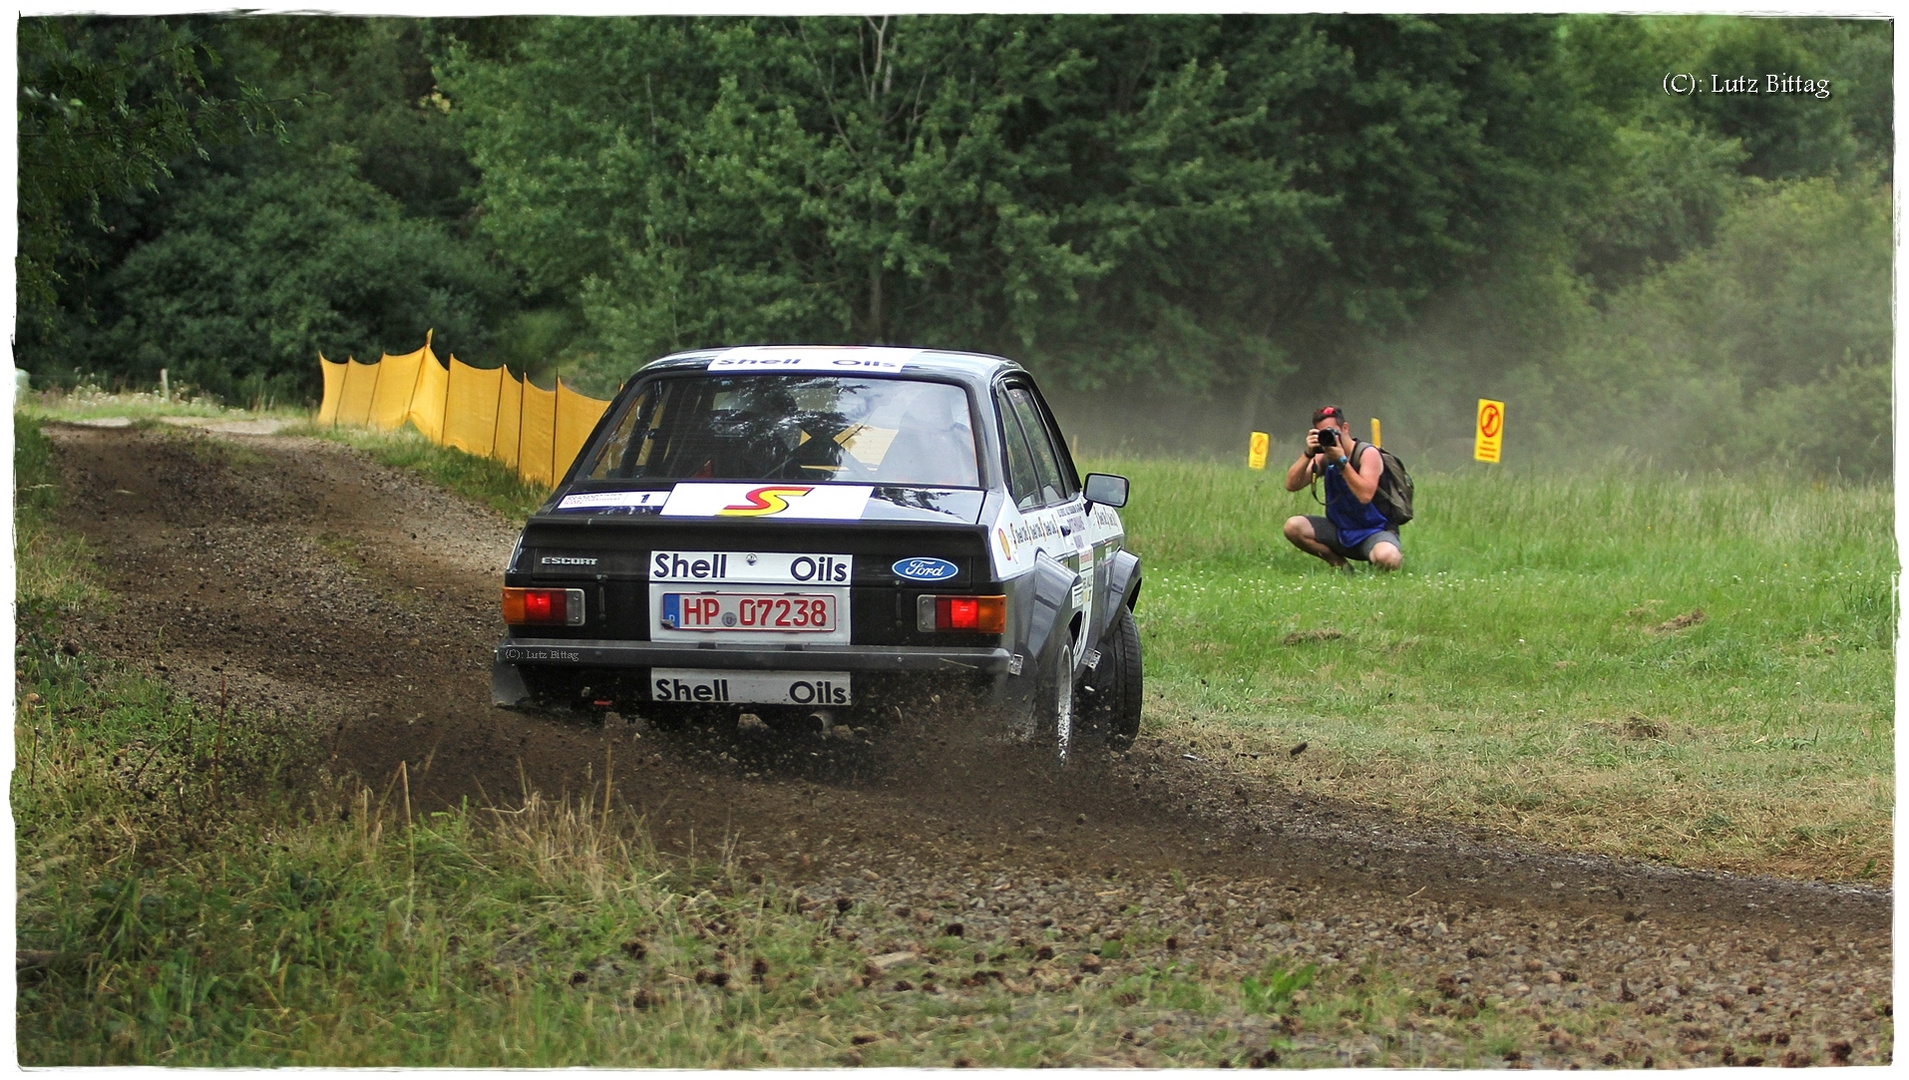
pixel 828 531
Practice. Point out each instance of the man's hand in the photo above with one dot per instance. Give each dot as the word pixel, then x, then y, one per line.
pixel 1335 453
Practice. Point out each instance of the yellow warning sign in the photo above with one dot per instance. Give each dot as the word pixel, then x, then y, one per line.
pixel 1256 450
pixel 1491 429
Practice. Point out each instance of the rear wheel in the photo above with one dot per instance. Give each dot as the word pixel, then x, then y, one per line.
pixel 1112 690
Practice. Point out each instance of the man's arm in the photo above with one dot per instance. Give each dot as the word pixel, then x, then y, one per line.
pixel 1363 481
pixel 1300 473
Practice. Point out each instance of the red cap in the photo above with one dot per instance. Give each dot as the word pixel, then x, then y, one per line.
pixel 1328 410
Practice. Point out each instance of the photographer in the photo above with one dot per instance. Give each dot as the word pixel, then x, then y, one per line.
pixel 1352 527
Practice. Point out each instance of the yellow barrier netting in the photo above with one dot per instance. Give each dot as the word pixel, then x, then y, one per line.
pixel 486 412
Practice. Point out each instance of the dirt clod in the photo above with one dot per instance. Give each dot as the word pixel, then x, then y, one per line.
pixel 1636 727
pixel 1682 622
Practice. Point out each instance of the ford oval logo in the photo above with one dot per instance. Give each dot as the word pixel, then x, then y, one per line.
pixel 922 569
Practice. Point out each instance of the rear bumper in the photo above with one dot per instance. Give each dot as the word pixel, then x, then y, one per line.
pixel 574 653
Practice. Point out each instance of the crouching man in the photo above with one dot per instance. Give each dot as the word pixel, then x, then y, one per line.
pixel 1352 527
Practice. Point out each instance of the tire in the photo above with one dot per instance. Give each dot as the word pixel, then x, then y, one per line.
pixel 1112 690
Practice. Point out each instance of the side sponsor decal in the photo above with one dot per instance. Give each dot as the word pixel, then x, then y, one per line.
pixel 925 568
pixel 841 359
pixel 793 502
pixel 768 567
pixel 594 500
pixel 1008 557
pixel 1016 538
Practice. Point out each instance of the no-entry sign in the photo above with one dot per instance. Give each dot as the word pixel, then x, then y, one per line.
pixel 1491 430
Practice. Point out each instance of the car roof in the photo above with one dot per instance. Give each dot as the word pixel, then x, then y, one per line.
pixel 884 360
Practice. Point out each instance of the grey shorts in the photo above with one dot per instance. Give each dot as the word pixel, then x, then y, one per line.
pixel 1327 533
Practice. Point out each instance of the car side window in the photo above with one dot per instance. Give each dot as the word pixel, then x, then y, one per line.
pixel 1046 463
pixel 619 454
pixel 1024 481
pixel 1070 479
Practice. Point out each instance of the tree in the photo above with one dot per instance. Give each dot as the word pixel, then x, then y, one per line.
pixel 240 260
pixel 261 273
pixel 105 107
pixel 1198 199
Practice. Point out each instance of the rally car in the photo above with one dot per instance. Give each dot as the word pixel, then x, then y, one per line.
pixel 828 533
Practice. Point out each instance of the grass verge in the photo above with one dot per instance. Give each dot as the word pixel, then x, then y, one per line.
pixel 482 480
pixel 92 402
pixel 1691 669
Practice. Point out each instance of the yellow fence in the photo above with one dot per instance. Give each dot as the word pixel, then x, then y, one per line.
pixel 487 412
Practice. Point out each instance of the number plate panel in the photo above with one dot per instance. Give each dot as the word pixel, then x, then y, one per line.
pixel 748 614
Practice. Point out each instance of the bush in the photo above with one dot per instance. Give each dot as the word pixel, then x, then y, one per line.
pixel 1771 346
pixel 260 274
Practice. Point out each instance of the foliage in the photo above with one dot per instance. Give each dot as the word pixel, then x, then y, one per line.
pixel 238 268
pixel 264 272
pixel 1771 345
pixel 1176 198
pixel 1240 212
pixel 105 106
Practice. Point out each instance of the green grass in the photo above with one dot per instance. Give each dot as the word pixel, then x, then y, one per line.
pixel 91 401
pixel 1528 667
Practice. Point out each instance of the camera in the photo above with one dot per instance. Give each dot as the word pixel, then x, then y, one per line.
pixel 1328 437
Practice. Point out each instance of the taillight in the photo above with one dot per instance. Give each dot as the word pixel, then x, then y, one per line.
pixel 974 614
pixel 543 607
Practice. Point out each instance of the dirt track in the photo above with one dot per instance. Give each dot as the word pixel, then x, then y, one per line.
pixel 319 584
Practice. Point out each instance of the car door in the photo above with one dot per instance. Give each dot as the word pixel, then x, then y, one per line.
pixel 1048 491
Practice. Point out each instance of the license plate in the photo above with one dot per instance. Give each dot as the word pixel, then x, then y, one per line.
pixel 750 687
pixel 787 613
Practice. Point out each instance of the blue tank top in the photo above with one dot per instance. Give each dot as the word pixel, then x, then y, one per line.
pixel 1354 520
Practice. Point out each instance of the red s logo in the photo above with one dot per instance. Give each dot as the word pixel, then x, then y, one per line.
pixel 763 501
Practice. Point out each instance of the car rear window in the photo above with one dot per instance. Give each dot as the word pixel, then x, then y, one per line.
pixel 814 428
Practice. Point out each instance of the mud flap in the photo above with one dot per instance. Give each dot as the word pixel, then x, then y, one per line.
pixel 1123 581
pixel 1051 592
pixel 507 687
